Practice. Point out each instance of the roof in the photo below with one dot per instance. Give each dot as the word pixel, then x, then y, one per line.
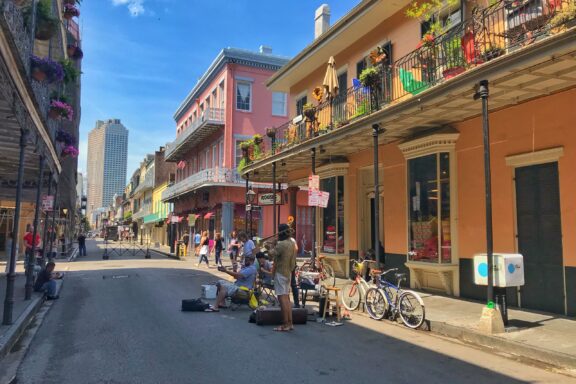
pixel 230 55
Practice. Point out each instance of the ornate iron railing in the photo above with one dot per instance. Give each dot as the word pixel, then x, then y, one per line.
pixel 489 33
pixel 208 176
pixel 210 115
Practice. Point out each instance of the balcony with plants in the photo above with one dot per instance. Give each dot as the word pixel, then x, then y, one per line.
pixel 445 52
pixel 52 78
pixel 204 125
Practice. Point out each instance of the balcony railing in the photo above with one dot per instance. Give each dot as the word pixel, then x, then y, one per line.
pixel 209 116
pixel 207 177
pixel 491 32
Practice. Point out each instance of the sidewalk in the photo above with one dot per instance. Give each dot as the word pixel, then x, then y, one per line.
pixel 23 311
pixel 543 337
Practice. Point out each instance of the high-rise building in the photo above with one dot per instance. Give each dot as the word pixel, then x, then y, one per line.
pixel 107 157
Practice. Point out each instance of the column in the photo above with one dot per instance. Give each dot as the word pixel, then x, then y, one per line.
pixel 227 220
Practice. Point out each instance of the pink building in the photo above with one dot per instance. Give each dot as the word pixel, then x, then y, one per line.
pixel 229 104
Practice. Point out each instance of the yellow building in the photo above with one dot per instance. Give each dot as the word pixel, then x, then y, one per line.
pixel 156 221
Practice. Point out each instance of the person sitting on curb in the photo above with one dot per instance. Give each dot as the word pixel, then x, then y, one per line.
pixel 244 278
pixel 46 281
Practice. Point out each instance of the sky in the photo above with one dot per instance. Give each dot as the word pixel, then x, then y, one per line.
pixel 142 57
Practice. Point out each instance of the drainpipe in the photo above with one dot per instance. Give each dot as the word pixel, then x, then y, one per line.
pixel 9 298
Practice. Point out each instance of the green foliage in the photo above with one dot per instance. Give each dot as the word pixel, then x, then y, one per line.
pixel 566 14
pixel 369 76
pixel 70 72
pixel 242 164
pixel 429 11
pixel 454 53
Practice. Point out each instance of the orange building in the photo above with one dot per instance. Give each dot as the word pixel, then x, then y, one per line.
pixel 431 159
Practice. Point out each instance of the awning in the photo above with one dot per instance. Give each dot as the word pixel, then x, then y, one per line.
pixel 209 215
pixel 153 218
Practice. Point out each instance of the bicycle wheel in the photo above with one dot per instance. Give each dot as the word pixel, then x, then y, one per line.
pixel 376 304
pixel 351 296
pixel 411 309
pixel 328 274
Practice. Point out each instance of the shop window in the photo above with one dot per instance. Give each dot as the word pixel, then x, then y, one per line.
pixel 429 201
pixel 332 236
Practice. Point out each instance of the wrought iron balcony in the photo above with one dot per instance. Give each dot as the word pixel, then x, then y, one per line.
pixel 208 177
pixel 491 32
pixel 208 122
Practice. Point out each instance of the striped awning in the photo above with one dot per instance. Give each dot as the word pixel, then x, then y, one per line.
pixel 153 218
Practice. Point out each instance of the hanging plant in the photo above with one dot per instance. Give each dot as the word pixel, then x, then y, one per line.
pixel 370 77
pixel 309 111
pixel 69 150
pixel 70 71
pixel 65 138
pixel 59 109
pixel 45 69
pixel 74 52
pixel 70 11
pixel 46 24
pixel 258 139
pixel 72 2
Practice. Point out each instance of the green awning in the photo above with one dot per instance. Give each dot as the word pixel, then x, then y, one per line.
pixel 153 218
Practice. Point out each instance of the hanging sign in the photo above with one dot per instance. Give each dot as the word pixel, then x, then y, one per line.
pixel 314 182
pixel 47 203
pixel 323 199
pixel 313 198
pixel 268 198
pixel 192 219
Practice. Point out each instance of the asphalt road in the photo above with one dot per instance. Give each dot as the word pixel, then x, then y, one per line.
pixel 119 321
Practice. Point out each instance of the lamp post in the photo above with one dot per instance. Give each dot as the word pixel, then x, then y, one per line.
pixel 65 211
pixel 141 233
pixel 250 196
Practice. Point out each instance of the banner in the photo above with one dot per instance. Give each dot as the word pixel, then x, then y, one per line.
pixel 192 219
pixel 268 198
pixel 47 203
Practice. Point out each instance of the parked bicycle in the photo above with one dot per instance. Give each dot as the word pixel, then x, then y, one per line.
pixel 389 300
pixel 319 265
pixel 354 292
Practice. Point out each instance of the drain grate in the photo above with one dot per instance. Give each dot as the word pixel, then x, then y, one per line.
pixel 121 276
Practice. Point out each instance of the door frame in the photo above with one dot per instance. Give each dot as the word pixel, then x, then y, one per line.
pixel 527 159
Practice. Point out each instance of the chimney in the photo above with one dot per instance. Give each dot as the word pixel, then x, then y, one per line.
pixel 265 50
pixel 321 20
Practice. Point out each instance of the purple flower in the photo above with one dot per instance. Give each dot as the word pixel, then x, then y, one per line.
pixel 63 109
pixel 54 71
pixel 71 10
pixel 65 137
pixel 70 150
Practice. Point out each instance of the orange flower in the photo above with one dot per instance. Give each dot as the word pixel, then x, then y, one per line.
pixel 318 93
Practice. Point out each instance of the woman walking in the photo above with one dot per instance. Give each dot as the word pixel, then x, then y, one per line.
pixel 204 248
pixel 218 248
pixel 233 250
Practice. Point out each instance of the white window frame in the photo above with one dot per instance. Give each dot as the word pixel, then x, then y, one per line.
pixel 249 84
pixel 284 101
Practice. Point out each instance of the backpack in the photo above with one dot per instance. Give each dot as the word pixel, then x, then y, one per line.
pixel 194 305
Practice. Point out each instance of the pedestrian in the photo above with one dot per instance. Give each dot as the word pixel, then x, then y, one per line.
pixel 248 246
pixel 8 249
pixel 218 246
pixel 46 281
pixel 31 245
pixel 204 248
pixel 82 244
pixel 233 250
pixel 284 254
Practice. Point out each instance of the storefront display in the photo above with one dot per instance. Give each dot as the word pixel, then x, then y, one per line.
pixel 333 216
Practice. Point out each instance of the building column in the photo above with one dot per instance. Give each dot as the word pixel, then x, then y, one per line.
pixel 227 220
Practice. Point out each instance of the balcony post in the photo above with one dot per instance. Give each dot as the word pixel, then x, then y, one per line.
pixel 376 130
pixel 10 279
pixel 45 229
pixel 53 225
pixel 32 256
pixel 313 155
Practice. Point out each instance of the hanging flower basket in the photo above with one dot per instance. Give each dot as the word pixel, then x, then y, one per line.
pixel 74 52
pixel 69 150
pixel 60 109
pixel 65 138
pixel 309 111
pixel 258 139
pixel 370 77
pixel 70 11
pixel 45 69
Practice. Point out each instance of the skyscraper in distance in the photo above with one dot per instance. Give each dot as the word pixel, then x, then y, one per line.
pixel 107 161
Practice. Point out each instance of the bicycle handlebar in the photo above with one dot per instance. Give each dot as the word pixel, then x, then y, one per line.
pixel 388 271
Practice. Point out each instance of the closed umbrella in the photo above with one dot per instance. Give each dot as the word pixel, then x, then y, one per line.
pixel 330 83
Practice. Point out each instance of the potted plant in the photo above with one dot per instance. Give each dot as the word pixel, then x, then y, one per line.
pixel 45 69
pixel 454 58
pixel 270 132
pixel 46 24
pixel 70 11
pixel 564 18
pixel 257 138
pixel 59 109
pixel 377 56
pixel 65 138
pixel 309 111
pixel 70 71
pixel 370 77
pixel 72 2
pixel 318 93
pixel 491 52
pixel 74 52
pixel 69 150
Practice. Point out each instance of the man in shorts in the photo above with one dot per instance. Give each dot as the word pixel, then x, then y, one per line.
pixel 244 278
pixel 284 254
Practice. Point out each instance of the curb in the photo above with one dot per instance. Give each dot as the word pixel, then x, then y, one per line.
pixel 170 255
pixel 556 359
pixel 11 337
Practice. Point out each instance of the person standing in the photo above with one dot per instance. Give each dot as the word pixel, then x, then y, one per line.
pixel 247 245
pixel 31 245
pixel 218 246
pixel 233 250
pixel 82 244
pixel 204 248
pixel 284 255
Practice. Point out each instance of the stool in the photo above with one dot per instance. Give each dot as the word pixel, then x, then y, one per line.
pixel 334 298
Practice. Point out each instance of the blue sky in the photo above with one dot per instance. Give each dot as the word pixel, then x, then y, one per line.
pixel 142 57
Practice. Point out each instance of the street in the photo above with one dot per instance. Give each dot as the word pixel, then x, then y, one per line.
pixel 119 321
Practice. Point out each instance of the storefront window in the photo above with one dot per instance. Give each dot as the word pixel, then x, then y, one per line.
pixel 429 192
pixel 333 216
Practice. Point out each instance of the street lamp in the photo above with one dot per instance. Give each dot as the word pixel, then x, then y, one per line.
pixel 141 233
pixel 250 196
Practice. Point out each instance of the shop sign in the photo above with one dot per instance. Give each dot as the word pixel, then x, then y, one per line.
pixel 47 203
pixel 318 198
pixel 268 198
pixel 314 182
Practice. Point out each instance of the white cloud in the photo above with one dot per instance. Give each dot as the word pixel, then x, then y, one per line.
pixel 135 7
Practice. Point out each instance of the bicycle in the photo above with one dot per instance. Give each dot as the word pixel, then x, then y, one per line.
pixel 318 265
pixel 354 292
pixel 389 300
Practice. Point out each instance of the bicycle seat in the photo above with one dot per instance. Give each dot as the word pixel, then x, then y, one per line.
pixel 321 257
pixel 400 276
